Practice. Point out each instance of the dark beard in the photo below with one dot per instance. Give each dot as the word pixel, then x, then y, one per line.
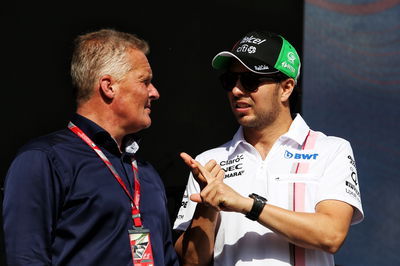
pixel 265 119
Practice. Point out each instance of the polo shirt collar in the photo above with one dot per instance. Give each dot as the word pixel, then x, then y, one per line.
pixel 237 139
pixel 298 132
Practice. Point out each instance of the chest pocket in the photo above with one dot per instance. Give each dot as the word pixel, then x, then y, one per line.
pixel 296 178
pixel 288 190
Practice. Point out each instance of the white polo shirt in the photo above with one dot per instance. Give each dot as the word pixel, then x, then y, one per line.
pixel 302 168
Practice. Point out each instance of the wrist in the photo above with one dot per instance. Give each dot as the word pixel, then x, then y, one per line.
pixel 257 207
pixel 205 211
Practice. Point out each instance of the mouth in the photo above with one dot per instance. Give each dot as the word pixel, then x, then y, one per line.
pixel 148 107
pixel 241 106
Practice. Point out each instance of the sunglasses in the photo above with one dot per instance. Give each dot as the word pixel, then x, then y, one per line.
pixel 249 80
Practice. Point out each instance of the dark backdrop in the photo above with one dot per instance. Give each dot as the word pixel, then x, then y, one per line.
pixel 192 114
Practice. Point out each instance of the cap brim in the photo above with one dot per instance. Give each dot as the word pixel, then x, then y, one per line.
pixel 223 60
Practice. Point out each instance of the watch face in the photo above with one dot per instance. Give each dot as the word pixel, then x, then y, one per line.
pixel 256 196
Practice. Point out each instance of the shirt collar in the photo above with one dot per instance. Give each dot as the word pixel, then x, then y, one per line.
pixel 90 128
pixel 101 137
pixel 237 139
pixel 298 132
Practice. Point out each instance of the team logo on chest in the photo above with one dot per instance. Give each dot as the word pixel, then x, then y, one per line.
pixel 300 156
pixel 233 167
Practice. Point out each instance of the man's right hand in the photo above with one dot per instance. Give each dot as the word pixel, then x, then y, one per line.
pixel 204 175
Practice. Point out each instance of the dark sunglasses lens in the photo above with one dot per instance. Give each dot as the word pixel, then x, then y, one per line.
pixel 249 81
pixel 228 80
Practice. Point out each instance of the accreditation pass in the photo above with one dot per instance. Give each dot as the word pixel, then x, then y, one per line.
pixel 142 254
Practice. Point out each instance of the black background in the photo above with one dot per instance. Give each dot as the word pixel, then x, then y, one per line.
pixel 192 114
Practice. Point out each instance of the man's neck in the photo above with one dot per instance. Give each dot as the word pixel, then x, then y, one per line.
pixel 263 138
pixel 104 120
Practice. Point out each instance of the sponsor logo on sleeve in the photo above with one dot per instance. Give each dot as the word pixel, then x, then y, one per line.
pixel 353 170
pixel 352 187
pixel 184 203
pixel 185 200
pixel 354 176
pixel 352 161
pixel 352 190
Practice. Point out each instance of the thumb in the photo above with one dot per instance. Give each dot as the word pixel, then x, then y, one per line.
pixel 196 198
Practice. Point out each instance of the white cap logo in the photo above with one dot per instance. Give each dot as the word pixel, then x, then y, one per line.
pixel 252 50
pixel 242 48
pixel 291 57
pixel 261 67
pixel 245 48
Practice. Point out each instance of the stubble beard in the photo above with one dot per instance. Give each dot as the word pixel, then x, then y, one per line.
pixel 264 119
pixel 260 121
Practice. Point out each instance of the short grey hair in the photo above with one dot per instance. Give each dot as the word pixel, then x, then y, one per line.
pixel 100 53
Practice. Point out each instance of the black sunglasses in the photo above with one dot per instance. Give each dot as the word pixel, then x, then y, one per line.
pixel 249 80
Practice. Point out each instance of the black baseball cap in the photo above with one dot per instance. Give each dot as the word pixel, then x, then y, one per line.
pixel 262 52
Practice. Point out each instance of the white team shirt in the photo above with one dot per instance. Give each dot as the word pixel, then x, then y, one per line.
pixel 302 168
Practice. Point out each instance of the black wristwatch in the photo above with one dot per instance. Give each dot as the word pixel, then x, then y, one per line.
pixel 258 205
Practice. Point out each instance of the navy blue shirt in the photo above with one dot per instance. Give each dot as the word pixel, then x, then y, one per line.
pixel 62 205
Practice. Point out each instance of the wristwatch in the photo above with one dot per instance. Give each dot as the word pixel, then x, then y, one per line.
pixel 258 205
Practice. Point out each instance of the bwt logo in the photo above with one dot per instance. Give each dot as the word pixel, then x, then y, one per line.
pixel 304 156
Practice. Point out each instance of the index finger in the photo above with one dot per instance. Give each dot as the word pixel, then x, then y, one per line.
pixel 188 159
pixel 204 172
pixel 195 167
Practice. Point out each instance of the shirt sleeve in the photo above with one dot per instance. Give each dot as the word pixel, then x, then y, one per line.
pixel 32 192
pixel 340 180
pixel 186 211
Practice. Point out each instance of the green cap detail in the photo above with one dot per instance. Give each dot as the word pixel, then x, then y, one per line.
pixel 221 62
pixel 288 61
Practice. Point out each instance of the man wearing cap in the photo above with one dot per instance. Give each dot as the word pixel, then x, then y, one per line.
pixel 287 194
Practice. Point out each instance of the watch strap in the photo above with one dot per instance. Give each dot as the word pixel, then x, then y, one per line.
pixel 258 206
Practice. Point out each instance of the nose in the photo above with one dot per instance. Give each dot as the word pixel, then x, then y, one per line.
pixel 153 92
pixel 237 90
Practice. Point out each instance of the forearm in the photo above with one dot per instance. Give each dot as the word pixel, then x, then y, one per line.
pixel 326 229
pixel 321 230
pixel 196 245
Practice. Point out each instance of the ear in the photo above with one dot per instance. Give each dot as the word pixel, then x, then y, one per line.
pixel 106 87
pixel 287 89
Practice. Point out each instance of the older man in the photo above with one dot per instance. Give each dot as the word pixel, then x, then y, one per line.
pixel 79 196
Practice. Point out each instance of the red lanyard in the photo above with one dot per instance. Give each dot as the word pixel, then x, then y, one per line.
pixel 136 196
